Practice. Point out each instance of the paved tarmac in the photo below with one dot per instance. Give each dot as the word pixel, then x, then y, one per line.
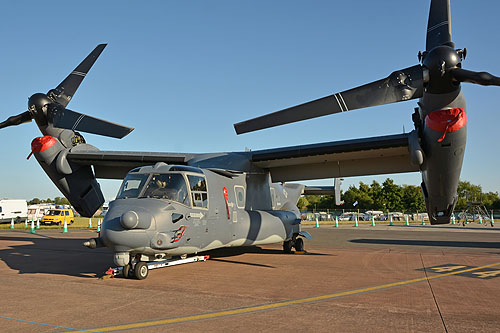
pixel 377 279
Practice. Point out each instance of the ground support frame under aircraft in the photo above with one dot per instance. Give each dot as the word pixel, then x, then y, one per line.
pixel 141 272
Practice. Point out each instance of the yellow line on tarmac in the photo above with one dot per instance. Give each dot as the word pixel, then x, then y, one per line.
pixel 277 305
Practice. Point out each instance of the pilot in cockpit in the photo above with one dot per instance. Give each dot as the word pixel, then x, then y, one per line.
pixel 167 186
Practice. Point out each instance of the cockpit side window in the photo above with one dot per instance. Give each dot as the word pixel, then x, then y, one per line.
pixel 132 186
pixel 170 186
pixel 199 193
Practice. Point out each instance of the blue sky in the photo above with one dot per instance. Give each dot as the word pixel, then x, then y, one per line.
pixel 182 72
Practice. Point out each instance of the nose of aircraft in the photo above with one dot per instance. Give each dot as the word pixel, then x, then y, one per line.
pixel 127 225
pixel 131 219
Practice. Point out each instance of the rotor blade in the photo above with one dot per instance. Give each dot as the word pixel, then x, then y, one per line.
pixel 60 117
pixel 67 88
pixel 439 25
pixel 17 120
pixel 482 78
pixel 401 85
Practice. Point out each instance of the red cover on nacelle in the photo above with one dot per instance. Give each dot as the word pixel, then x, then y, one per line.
pixel 42 143
pixel 449 120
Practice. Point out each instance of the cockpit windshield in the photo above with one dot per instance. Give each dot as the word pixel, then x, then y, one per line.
pixel 132 186
pixel 171 186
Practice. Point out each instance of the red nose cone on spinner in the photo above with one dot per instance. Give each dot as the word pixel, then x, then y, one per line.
pixel 42 143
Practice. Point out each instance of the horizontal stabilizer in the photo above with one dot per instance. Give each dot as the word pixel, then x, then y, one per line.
pixel 319 190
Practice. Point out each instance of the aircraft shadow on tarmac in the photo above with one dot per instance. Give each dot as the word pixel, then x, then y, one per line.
pixel 434 243
pixel 67 256
pixel 44 254
pixel 217 254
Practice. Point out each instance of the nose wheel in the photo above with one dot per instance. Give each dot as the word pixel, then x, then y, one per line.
pixel 126 271
pixel 141 270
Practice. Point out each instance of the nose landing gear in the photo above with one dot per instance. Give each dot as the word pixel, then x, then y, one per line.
pixel 139 270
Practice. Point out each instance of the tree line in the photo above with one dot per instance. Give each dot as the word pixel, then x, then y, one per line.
pixel 391 197
pixel 56 201
pixel 387 196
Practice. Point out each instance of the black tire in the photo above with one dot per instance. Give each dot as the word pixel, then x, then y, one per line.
pixel 141 270
pixel 299 245
pixel 126 271
pixel 287 247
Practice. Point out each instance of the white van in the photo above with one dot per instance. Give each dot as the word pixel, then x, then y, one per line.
pixel 37 211
pixel 16 209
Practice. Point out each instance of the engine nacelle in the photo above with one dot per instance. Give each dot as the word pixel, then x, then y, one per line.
pixel 76 182
pixel 444 135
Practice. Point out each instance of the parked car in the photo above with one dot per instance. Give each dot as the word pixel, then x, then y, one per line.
pixel 361 217
pixel 397 216
pixel 57 216
pixel 347 216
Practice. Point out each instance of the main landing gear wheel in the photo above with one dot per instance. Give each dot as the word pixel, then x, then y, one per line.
pixel 141 270
pixel 287 246
pixel 299 245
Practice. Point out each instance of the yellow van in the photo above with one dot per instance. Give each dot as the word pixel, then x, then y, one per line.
pixel 56 216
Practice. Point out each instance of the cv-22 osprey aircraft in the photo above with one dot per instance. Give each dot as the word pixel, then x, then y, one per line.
pixel 177 204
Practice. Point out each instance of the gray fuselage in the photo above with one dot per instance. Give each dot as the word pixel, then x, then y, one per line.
pixel 215 211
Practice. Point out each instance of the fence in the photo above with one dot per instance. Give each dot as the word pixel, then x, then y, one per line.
pixel 366 215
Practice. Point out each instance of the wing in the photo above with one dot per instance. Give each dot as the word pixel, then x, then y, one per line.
pixel 116 164
pixel 359 157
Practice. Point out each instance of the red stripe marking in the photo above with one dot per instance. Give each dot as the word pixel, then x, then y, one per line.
pixel 226 198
